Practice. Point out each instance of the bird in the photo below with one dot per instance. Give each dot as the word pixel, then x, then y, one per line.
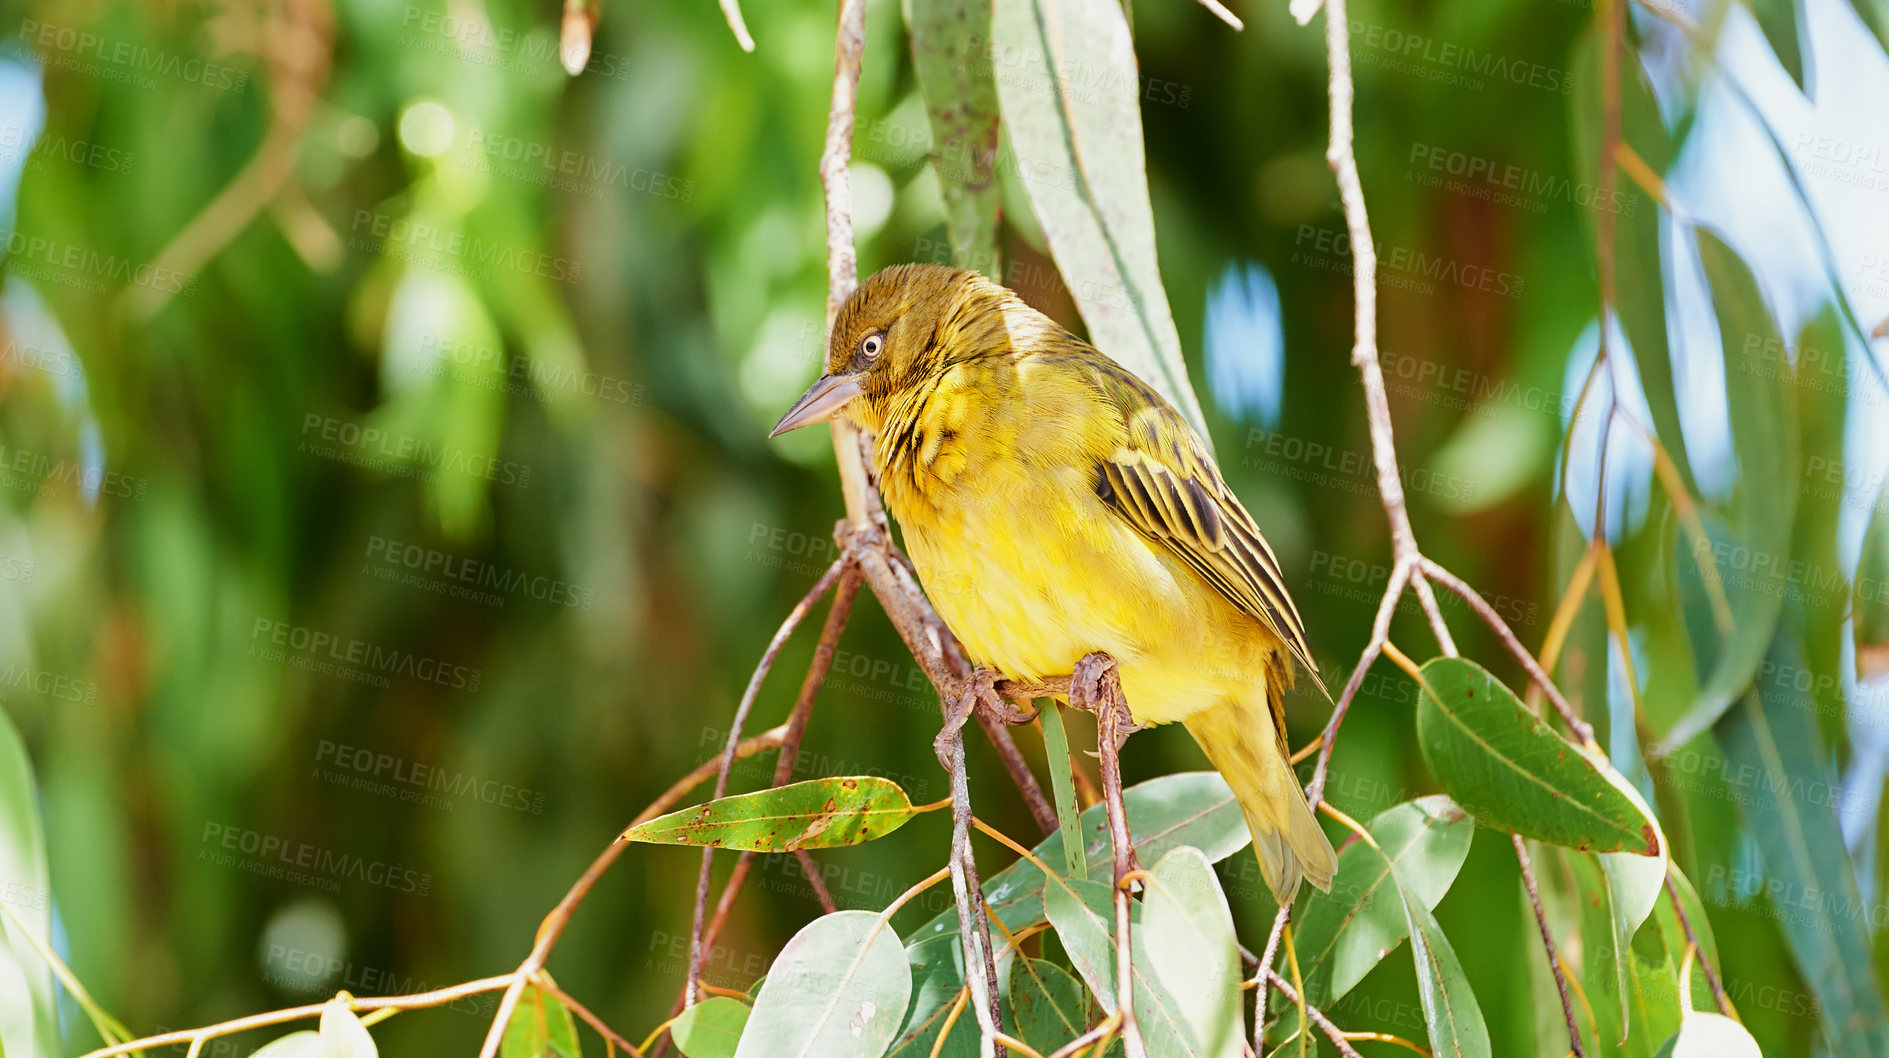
pixel 1055 505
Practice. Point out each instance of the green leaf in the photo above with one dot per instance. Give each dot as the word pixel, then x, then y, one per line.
pixel 1502 763
pixel 711 1028
pixel 541 1027
pixel 1875 15
pixel 1776 763
pixel 28 1018
pixel 1050 1006
pixel 303 1044
pixel 816 814
pixel 1673 934
pixel 1343 934
pixel 1187 930
pixel 960 94
pixel 1062 782
pixel 837 990
pixel 1754 567
pixel 1190 808
pixel 1070 94
pixel 1870 595
pixel 1707 1035
pixel 343 1035
pixel 1083 913
pixel 1632 884
pixel 1778 20
pixel 937 968
pixel 1450 1011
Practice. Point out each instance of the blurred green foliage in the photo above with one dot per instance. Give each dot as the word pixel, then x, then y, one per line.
pixel 389 514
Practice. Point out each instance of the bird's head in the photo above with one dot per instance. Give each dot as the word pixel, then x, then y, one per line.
pixel 889 337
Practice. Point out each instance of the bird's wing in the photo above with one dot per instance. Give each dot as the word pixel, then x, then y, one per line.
pixel 1164 483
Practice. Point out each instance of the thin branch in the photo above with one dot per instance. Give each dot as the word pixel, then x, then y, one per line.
pixel 1040 809
pixel 1097 687
pixel 786 630
pixel 415 1001
pixel 1265 966
pixel 543 981
pixel 1711 977
pixel 1582 730
pixel 1380 634
pixel 1332 1032
pixel 1547 942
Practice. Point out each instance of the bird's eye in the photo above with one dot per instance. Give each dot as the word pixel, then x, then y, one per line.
pixel 872 345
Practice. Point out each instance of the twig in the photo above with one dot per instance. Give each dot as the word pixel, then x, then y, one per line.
pixel 1332 1032
pixel 973 926
pixel 1098 687
pixel 1581 728
pixel 543 981
pixel 1040 809
pixel 1547 942
pixel 1265 965
pixel 1344 164
pixel 786 630
pixel 415 1001
pixel 1380 634
pixel 1711 977
pixel 731 10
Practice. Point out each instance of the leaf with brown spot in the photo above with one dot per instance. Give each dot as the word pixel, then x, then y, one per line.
pixel 816 814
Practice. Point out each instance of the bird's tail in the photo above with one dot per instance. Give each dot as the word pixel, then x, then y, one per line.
pixel 1239 739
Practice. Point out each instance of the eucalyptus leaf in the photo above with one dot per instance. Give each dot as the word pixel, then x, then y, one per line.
pixel 710 1028
pixel 1508 769
pixel 1190 808
pixel 28 1017
pixel 1050 1006
pixel 1062 783
pixel 1450 1010
pixel 303 1044
pixel 816 814
pixel 343 1035
pixel 837 990
pixel 1187 931
pixel 958 86
pixel 1069 89
pixel 1706 1035
pixel 541 1027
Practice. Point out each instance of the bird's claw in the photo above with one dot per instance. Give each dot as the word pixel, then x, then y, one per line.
pixel 1095 686
pixel 977 694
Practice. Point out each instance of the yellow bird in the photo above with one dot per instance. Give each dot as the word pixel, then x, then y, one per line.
pixel 1054 505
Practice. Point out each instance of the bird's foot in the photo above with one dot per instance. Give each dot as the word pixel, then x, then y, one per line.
pixel 1095 686
pixel 977 694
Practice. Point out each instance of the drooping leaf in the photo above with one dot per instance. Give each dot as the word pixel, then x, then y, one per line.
pixel 1190 808
pixel 1343 934
pixel 1870 596
pixel 541 1027
pixel 1503 765
pixel 816 814
pixel 1633 885
pixel 1048 1004
pixel 1674 937
pixel 1062 783
pixel 1778 20
pixel 1083 914
pixel 1775 763
pixel 28 1019
pixel 957 82
pixel 1818 373
pixel 342 1034
pixel 937 968
pixel 1707 1035
pixel 1070 97
pixel 710 1028
pixel 1752 563
pixel 837 990
pixel 303 1044
pixel 1450 1011
pixel 1187 930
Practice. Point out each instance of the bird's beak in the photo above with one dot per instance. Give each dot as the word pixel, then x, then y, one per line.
pixel 822 401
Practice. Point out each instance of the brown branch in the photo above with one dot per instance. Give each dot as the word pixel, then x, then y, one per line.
pixel 1547 943
pixel 1096 686
pixel 415 1001
pixel 1332 1032
pixel 1380 635
pixel 781 635
pixel 1711 976
pixel 1583 731
pixel 1019 769
pixel 1265 967
pixel 543 981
